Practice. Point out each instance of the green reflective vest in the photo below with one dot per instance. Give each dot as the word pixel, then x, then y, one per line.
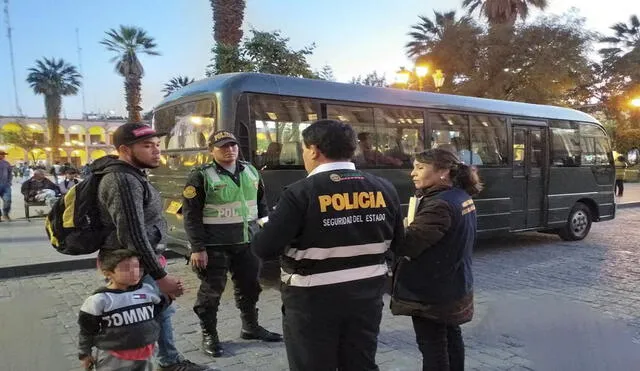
pixel 228 205
pixel 621 167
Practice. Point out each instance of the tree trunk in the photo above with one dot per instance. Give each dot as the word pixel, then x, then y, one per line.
pixel 498 51
pixel 228 16
pixel 53 105
pixel 132 94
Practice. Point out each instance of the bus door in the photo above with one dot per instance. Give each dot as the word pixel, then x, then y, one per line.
pixel 529 159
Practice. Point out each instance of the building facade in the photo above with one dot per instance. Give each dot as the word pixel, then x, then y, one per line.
pixel 81 141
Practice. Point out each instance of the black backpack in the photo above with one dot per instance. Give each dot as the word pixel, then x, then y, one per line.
pixel 73 224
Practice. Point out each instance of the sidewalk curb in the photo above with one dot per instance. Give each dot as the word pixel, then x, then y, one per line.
pixel 58 267
pixel 628 205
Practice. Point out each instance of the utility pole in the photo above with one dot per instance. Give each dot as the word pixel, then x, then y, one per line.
pixel 84 109
pixel 13 64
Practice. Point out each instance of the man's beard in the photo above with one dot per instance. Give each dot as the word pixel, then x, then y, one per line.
pixel 141 164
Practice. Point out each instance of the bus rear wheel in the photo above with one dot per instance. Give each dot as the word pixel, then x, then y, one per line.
pixel 578 225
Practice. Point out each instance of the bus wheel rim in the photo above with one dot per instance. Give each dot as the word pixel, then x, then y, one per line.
pixel 579 222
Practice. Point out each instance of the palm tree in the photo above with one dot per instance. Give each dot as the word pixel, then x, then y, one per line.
pixel 446 43
pixel 228 16
pixel 427 33
pixel 175 84
pixel 503 11
pixel 54 79
pixel 128 42
pixel 621 63
pixel 626 39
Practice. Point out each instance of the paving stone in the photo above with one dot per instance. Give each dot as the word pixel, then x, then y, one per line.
pixel 524 280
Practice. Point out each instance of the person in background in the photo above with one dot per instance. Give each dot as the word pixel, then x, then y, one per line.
pixel 463 153
pixel 433 281
pixel 6 174
pixel 39 188
pixel 85 170
pixel 16 171
pixel 621 167
pixel 25 172
pixel 370 156
pixel 70 179
pixel 333 258
pixel 56 170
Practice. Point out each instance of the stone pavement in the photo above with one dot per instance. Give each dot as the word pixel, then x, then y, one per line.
pixel 24 247
pixel 631 196
pixel 541 304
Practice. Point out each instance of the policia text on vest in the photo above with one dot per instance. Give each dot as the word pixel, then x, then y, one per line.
pixel 352 201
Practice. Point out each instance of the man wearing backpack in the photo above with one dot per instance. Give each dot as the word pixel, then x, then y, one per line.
pixel 132 209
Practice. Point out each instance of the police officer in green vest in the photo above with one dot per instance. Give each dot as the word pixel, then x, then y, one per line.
pixel 222 203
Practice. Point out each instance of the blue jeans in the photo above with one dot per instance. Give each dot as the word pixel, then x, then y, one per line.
pixel 5 194
pixel 167 352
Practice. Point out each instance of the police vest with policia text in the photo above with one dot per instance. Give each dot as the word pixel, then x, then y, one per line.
pixel 352 201
pixel 226 203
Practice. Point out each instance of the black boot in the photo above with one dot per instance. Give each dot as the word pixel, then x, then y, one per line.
pixel 252 331
pixel 210 340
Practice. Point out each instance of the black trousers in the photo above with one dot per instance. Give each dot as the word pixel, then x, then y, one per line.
pixel 619 187
pixel 245 272
pixel 323 333
pixel 441 345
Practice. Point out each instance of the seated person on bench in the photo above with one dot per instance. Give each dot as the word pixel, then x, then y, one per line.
pixel 39 188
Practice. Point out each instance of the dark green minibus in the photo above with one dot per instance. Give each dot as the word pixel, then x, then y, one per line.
pixel 544 168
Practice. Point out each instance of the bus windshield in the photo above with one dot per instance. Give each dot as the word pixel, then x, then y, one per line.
pixel 188 125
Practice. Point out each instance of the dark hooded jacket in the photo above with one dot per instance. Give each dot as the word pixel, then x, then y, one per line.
pixel 433 277
pixel 132 209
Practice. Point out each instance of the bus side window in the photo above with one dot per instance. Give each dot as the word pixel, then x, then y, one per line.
pixel 489 145
pixel 594 145
pixel 451 132
pixel 400 135
pixel 565 144
pixel 369 150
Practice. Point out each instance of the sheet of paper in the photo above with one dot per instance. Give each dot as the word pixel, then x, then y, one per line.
pixel 413 203
pixel 262 221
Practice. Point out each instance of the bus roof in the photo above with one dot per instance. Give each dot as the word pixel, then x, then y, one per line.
pixel 236 83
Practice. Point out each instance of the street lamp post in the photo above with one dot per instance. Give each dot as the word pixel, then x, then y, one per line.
pixel 402 77
pixel 438 79
pixel 421 72
pixel 635 115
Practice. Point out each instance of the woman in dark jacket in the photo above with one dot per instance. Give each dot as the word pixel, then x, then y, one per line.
pixel 432 281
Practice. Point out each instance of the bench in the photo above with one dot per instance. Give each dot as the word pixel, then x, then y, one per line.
pixel 28 204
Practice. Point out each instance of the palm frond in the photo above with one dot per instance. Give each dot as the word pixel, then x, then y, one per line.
pixel 54 77
pixel 472 5
pixel 176 83
pixel 127 41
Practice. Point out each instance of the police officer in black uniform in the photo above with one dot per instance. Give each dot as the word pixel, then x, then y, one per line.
pixel 222 203
pixel 332 231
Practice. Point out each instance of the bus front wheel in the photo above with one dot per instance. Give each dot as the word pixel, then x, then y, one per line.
pixel 578 225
